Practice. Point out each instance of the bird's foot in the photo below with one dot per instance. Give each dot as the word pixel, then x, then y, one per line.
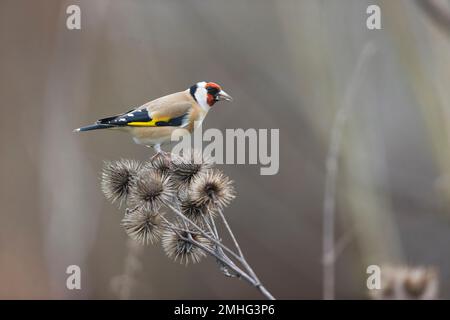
pixel 159 152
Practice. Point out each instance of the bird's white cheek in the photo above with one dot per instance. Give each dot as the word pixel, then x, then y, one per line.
pixel 201 96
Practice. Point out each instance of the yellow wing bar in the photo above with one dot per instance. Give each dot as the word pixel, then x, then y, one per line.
pixel 152 123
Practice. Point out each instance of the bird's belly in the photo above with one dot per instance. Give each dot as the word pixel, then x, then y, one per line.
pixel 152 135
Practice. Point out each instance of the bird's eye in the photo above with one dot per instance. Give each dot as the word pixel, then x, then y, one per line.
pixel 212 90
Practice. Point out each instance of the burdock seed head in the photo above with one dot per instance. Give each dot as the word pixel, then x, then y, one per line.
pixel 143 226
pixel 181 250
pixel 161 163
pixel 195 211
pixel 213 189
pixel 150 190
pixel 117 177
pixel 407 283
pixel 185 168
pixel 422 283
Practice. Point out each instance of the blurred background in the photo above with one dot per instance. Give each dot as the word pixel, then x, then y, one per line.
pixel 289 64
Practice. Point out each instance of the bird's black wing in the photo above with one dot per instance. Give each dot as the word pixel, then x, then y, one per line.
pixel 141 118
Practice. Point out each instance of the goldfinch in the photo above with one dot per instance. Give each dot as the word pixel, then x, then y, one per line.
pixel 152 124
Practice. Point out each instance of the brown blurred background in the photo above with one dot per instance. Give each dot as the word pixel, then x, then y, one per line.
pixel 288 64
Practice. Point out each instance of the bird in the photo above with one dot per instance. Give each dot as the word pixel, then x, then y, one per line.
pixel 152 123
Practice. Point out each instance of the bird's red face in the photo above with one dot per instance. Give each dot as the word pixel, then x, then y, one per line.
pixel 215 93
pixel 208 93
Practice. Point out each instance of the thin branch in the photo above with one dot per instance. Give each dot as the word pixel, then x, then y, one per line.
pixel 209 220
pixel 169 225
pixel 244 262
pixel 203 233
pixel 227 262
pixel 129 211
pixel 214 233
pixel 329 202
pixel 214 227
pixel 254 282
pixel 236 244
pixel 223 258
pixel 252 279
pixel 343 243
pixel 437 13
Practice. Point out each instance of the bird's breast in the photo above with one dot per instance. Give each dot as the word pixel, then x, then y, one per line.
pixel 155 135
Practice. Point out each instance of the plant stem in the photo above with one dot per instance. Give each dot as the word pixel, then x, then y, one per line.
pixel 236 244
pixel 437 13
pixel 250 278
pixel 226 261
pixel 216 241
pixel 332 170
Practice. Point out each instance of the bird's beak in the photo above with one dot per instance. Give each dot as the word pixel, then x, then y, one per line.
pixel 222 95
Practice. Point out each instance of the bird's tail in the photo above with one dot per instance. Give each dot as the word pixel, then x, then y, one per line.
pixel 95 126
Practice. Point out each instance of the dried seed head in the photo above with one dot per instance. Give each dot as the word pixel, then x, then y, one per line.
pixel 179 249
pixel 117 178
pixel 143 226
pixel 195 211
pixel 150 190
pixel 213 189
pixel 407 283
pixel 420 282
pixel 161 163
pixel 184 169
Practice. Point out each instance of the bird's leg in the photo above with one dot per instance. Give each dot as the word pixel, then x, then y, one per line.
pixel 157 148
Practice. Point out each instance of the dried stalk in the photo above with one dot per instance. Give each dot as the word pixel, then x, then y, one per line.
pixel 437 13
pixel 329 202
pixel 249 276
